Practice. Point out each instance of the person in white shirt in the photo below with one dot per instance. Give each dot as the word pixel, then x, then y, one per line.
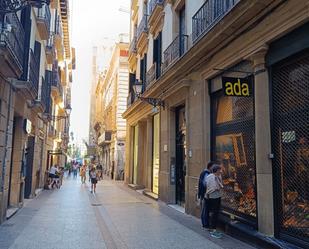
pixel 213 196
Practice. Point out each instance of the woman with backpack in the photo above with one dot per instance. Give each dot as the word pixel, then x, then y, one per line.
pixel 213 197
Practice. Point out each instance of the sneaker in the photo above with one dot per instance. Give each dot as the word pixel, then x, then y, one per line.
pixel 91 191
pixel 216 235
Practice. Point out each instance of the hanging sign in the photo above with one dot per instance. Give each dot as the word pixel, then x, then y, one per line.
pixel 237 87
pixel 27 126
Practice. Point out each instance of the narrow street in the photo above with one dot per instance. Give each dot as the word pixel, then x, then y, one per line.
pixel 115 217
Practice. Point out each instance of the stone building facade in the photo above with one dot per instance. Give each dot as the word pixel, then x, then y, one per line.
pixel 233 76
pixel 36 76
pixel 110 103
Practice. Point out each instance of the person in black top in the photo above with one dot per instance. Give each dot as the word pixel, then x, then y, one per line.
pixel 201 194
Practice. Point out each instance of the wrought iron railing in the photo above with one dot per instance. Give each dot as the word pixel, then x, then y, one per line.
pixel 152 5
pixel 58 28
pixel 50 41
pixel 33 71
pixel 44 14
pixel 45 94
pixel 151 75
pixel 208 15
pixel 132 48
pixel 48 82
pixel 12 36
pixel 142 27
pixel 174 51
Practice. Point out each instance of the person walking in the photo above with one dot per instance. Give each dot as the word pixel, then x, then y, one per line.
pixel 99 171
pixel 75 167
pixel 93 177
pixel 201 195
pixel 82 173
pixel 213 198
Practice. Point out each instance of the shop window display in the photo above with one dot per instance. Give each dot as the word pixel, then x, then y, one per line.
pixel 233 136
pixel 291 144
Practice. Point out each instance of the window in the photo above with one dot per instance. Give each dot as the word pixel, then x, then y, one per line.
pixel 234 146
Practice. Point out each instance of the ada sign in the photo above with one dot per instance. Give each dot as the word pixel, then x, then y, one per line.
pixel 239 87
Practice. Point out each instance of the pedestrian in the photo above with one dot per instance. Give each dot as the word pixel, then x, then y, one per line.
pixel 93 177
pixel 54 175
pixel 75 166
pixel 213 198
pixel 201 195
pixel 82 173
pixel 99 171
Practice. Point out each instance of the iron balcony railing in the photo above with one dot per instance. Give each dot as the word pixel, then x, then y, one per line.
pixel 56 82
pixel 132 48
pixel 153 4
pixel 211 12
pixel 44 14
pixel 142 27
pixel 48 82
pixel 58 28
pixel 50 41
pixel 150 75
pixel 45 95
pixel 33 72
pixel 174 51
pixel 12 37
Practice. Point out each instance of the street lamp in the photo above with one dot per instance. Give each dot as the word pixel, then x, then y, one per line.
pixel 137 89
pixel 68 110
pixel 10 6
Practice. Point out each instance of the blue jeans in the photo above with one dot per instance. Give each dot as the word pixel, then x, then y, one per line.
pixel 205 214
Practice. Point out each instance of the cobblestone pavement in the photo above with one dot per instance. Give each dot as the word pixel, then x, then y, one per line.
pixel 115 217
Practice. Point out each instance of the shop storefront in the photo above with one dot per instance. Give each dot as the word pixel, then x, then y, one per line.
pixel 156 154
pixel 290 95
pixel 233 140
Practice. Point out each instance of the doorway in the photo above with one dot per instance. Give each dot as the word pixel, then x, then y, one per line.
pixel 11 166
pixel 180 155
pixel 29 166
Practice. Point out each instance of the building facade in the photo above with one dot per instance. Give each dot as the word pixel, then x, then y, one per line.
pixel 233 76
pixel 36 76
pixel 110 103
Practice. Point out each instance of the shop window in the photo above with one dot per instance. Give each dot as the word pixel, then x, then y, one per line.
pixel 290 139
pixel 234 146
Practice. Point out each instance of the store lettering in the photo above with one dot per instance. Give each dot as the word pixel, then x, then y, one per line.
pixel 236 87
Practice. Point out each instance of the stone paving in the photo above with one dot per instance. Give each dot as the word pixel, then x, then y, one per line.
pixel 114 218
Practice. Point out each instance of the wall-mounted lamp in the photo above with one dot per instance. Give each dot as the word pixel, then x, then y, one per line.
pixel 68 110
pixel 138 87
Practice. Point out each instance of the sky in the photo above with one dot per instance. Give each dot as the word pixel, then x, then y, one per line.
pixel 93 23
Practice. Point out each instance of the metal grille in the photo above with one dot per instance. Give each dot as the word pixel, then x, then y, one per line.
pixel 290 93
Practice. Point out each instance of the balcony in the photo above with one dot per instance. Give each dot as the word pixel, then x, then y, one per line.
pixel 151 75
pixel 130 99
pixel 134 9
pixel 45 95
pixel 142 35
pixel 52 132
pixel 105 138
pixel 54 4
pixel 132 52
pixel 43 21
pixel 174 51
pixel 156 15
pixel 58 33
pixel 211 12
pixel 29 87
pixel 50 50
pixel 53 79
pixel 11 47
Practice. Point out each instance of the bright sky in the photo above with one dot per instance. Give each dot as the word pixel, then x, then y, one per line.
pixel 93 23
